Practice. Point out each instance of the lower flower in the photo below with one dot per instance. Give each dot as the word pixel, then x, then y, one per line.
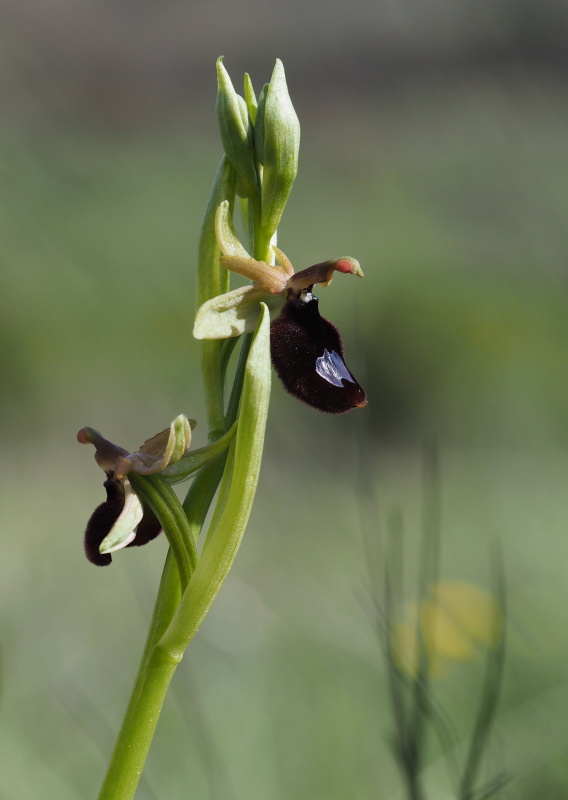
pixel 123 520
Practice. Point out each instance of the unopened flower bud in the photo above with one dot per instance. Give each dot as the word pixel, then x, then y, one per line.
pixel 236 132
pixel 277 143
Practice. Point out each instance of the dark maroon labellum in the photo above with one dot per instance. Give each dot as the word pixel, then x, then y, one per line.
pixel 101 521
pixel 308 356
pixel 104 517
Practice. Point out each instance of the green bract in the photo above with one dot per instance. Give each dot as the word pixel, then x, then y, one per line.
pixel 236 495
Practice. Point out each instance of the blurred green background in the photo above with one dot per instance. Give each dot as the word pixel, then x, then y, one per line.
pixel 434 150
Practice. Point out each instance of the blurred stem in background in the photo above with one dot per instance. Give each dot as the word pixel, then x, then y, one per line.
pixel 447 622
pixel 261 142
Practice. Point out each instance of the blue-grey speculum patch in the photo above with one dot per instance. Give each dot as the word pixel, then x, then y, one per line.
pixel 331 368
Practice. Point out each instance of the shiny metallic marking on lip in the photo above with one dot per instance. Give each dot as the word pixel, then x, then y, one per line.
pixel 331 368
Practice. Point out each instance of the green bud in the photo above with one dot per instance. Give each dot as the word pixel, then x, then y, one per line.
pixel 236 132
pixel 277 142
pixel 250 98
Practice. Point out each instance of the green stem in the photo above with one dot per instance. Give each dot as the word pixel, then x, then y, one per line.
pixel 260 238
pixel 157 666
pixel 213 280
pixel 238 380
pixel 201 494
pixel 139 724
pixel 147 697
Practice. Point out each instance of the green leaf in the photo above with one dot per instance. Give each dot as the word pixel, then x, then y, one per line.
pixel 196 459
pixel 237 493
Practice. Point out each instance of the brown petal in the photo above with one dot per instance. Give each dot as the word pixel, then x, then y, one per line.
pixel 323 273
pixel 273 279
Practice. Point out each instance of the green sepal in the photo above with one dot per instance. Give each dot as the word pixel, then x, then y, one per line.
pixel 186 466
pixel 156 453
pixel 278 144
pixel 234 313
pixel 236 132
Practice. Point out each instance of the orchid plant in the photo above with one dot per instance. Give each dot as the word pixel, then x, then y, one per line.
pixel 276 316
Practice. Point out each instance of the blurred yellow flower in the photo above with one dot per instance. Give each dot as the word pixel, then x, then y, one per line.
pixel 451 624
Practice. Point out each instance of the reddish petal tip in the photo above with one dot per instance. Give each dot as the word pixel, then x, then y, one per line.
pixel 83 436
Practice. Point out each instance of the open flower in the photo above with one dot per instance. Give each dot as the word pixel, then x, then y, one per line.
pixel 306 349
pixel 123 520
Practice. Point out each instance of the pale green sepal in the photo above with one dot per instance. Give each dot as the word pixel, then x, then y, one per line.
pixel 180 429
pixel 236 132
pixel 156 453
pixel 237 491
pixel 193 461
pixel 250 98
pixel 227 239
pixel 234 313
pixel 124 529
pixel 280 144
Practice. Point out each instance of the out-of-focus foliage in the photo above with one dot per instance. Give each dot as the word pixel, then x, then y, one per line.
pixel 445 173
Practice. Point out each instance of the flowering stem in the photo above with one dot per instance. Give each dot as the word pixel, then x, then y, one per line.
pixel 191 581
